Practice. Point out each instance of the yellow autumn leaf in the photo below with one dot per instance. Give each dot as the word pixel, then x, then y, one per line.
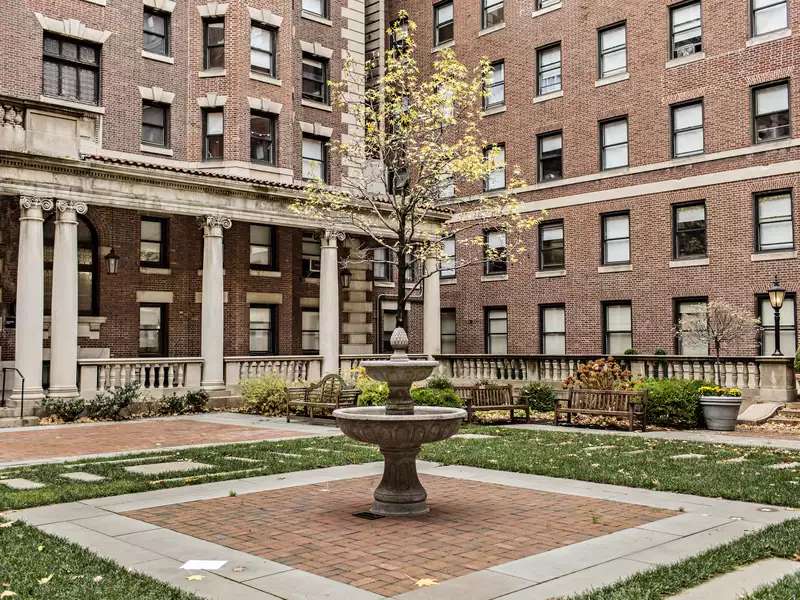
pixel 47 579
pixel 39 548
pixel 97 579
pixel 426 582
pixel 195 578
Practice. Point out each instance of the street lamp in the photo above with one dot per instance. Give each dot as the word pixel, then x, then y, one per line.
pixel 776 297
pixel 112 262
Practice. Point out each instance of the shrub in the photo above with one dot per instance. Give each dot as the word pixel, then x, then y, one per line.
pixel 373 392
pixel 66 409
pixel 110 404
pixel 439 382
pixel 264 395
pixel 539 396
pixel 428 396
pixel 600 374
pixel 797 361
pixel 717 390
pixel 172 405
pixel 631 352
pixel 673 402
pixel 196 401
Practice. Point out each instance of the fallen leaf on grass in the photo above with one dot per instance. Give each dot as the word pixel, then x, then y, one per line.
pixel 6 524
pixel 195 578
pixel 8 594
pixel 426 582
pixel 47 579
pixel 39 548
pixel 796 557
pixel 97 579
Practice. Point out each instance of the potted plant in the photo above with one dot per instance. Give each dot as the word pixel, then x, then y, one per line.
pixel 720 406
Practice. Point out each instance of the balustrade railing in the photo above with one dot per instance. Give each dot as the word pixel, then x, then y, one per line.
pixel 349 363
pixel 156 376
pixel 288 368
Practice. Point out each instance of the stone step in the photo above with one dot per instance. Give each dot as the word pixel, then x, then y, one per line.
pixel 742 581
pixel 6 422
pixel 785 421
pixel 790 412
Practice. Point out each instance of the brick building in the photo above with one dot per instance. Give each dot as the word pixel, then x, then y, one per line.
pixel 662 139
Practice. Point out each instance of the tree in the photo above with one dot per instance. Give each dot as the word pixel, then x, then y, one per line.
pixel 420 144
pixel 718 324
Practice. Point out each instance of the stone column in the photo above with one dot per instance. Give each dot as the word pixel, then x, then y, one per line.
pixel 30 299
pixel 329 301
pixel 213 299
pixel 64 306
pixel 432 311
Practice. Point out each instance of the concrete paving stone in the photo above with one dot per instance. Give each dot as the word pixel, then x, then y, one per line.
pixel 299 585
pixel 242 459
pixel 82 476
pixel 689 456
pixel 240 566
pixel 168 467
pixel 70 511
pixel 103 545
pixel 473 436
pixel 22 484
pixel 738 459
pixel 604 447
pixel 687 524
pixel 633 452
pixel 742 581
pixel 115 525
pixel 212 586
pixel 784 466
pixel 480 585
pixel 569 559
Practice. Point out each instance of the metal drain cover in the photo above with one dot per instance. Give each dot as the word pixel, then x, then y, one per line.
pixel 367 515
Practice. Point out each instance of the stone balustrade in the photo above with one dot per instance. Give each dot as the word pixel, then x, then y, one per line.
pixel 349 363
pixel 288 368
pixel 157 376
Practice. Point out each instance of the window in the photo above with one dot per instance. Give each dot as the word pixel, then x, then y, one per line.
pixel 551 161
pixel 314 159
pixel 687 129
pixel 616 239
pixel 548 68
pixel 686 30
pixel 309 325
pixel 774 227
pixel 155 124
pixel 447 186
pixel 617 329
pixel 551 245
pixel 156 31
pixel 311 253
pixel 771 112
pixel 492 13
pixel 262 329
pixel 315 79
pixel 614 144
pixel 495 253
pixel 495 86
pixel 262 49
pixel 213 139
pixel 769 16
pixel 540 4
pixel 71 70
pixel 382 265
pixel 318 7
pixel 87 266
pixel 262 138
pixel 613 51
pixel 448 328
pixel 689 227
pixel 788 328
pixel 448 264
pixel 496 326
pixel 262 247
pixel 496 180
pixel 442 23
pixel 553 329
pixel 152 330
pixel 214 44
pixel 153 242
pixel 688 313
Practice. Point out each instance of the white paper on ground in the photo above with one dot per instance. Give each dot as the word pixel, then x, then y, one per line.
pixel 203 565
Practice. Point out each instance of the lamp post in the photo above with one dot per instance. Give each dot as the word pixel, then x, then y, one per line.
pixel 776 296
pixel 112 262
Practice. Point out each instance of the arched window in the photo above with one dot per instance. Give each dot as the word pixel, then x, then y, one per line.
pixel 87 266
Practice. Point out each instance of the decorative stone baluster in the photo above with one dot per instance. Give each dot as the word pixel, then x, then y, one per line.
pixel 730 380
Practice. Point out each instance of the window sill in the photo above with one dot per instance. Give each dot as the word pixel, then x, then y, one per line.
pixel 551 273
pixel 315 104
pixel 495 277
pixel 98 2
pixel 688 262
pixel 768 37
pixel 613 79
pixel 448 281
pixel 265 79
pixel 207 73
pixel 492 29
pixel 155 270
pixel 495 110
pixel 156 150
pixel 158 57
pixel 544 11
pixel 260 273
pixel 550 96
pixel 684 60
pixel 316 18
pixel 69 104
pixel 615 268
pixel 312 280
pixel 383 284
pixel 449 44
pixel 778 255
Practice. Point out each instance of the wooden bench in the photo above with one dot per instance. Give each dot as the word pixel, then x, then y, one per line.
pixel 608 403
pixel 488 398
pixel 329 393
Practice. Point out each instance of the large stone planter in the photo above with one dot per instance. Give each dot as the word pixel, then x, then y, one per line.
pixel 720 412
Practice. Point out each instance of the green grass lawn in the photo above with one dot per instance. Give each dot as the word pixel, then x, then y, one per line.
pixel 787 588
pixel 37 566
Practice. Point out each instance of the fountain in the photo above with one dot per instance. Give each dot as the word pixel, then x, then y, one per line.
pixel 399 429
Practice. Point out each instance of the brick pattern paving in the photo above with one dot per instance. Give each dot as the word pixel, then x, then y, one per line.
pixel 472 526
pixel 78 440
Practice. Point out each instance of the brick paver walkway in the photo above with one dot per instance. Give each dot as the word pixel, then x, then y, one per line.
pixel 472 526
pixel 77 440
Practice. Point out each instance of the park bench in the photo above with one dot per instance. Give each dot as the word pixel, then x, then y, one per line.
pixel 608 403
pixel 480 398
pixel 329 393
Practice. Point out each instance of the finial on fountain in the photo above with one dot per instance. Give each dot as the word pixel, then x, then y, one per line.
pixel 399 343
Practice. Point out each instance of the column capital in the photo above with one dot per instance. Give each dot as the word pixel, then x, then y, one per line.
pixel 35 202
pixel 214 224
pixel 63 206
pixel 330 237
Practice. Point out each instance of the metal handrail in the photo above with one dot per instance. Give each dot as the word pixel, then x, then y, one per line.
pixel 22 389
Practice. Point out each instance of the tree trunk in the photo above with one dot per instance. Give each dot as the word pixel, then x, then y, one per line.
pixel 401 319
pixel 717 365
